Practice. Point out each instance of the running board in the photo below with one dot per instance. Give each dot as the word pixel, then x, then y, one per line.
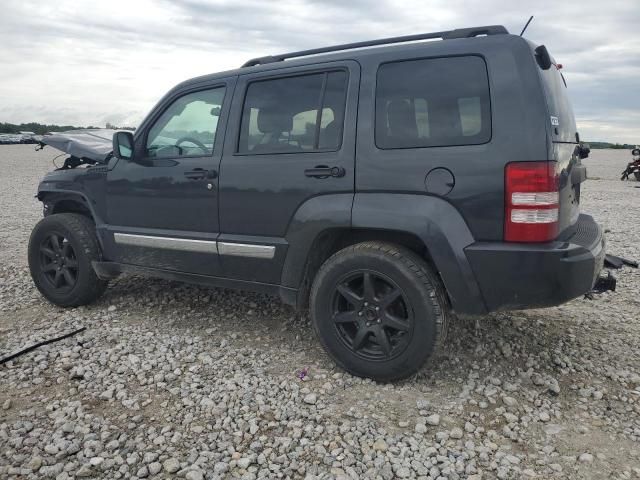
pixel 111 270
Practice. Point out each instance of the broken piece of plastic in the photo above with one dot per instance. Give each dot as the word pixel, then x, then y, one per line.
pixel 302 374
pixel 613 261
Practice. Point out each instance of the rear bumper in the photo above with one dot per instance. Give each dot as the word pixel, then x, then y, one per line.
pixel 514 276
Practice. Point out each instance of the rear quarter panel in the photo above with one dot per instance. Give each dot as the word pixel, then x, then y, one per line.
pixel 518 133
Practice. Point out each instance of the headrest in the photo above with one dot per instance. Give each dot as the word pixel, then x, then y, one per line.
pixel 402 119
pixel 273 119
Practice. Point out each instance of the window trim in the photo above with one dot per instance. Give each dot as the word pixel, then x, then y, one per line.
pixel 415 59
pixel 166 106
pixel 316 71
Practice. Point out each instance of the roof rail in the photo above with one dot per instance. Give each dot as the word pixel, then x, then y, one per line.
pixel 444 35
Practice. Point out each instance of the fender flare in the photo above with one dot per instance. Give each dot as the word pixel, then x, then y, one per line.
pixel 54 195
pixel 57 195
pixel 441 228
pixel 315 216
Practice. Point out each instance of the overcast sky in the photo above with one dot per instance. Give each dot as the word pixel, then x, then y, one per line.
pixel 88 63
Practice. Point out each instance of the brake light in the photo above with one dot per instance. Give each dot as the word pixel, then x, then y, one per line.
pixel 531 202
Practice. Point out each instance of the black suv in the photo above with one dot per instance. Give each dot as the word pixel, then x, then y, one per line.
pixel 381 187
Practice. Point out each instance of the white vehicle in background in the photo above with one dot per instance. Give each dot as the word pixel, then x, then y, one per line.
pixel 10 138
pixel 13 138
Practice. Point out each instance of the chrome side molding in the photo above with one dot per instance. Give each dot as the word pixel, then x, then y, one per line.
pixel 190 245
pixel 168 243
pixel 246 250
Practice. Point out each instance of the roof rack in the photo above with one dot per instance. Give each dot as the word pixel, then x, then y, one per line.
pixel 445 35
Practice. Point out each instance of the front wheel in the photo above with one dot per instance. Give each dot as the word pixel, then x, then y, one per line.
pixel 378 310
pixel 61 249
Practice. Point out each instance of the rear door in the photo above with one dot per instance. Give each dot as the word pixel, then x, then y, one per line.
pixel 285 145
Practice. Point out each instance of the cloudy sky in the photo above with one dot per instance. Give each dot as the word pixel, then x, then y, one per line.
pixel 92 62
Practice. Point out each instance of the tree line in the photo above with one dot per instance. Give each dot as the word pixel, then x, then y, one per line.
pixel 41 129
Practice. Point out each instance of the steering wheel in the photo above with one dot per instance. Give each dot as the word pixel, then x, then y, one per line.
pixel 197 143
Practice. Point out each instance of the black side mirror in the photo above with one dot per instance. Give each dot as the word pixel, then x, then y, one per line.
pixel 123 145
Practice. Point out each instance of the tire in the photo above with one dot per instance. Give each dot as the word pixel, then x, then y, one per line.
pixel 61 249
pixel 382 338
pixel 637 175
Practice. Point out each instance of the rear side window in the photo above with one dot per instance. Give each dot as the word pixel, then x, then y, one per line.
pixel 432 103
pixel 294 114
pixel 560 111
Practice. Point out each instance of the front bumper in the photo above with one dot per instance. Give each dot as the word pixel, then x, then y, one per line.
pixel 514 276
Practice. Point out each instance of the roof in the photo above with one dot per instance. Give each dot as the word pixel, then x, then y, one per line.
pixel 352 50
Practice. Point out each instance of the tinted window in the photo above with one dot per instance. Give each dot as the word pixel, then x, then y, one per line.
pixel 434 102
pixel 188 126
pixel 555 90
pixel 294 114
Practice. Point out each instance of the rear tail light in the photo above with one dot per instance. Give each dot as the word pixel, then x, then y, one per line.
pixel 532 202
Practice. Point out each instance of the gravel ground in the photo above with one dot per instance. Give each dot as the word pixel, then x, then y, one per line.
pixel 172 380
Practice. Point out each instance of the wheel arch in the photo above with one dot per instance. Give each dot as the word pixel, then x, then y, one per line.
pixel 429 226
pixel 66 202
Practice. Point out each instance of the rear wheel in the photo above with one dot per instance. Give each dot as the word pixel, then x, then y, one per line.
pixel 378 310
pixel 61 249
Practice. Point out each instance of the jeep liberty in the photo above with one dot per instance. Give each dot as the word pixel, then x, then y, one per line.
pixel 383 185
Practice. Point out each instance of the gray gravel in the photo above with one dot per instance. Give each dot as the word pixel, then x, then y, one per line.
pixel 172 380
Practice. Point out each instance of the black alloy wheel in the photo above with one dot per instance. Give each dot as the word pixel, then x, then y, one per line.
pixel 58 262
pixel 372 315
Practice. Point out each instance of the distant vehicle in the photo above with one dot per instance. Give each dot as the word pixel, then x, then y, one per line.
pixel 27 137
pixel 383 188
pixel 633 167
pixel 10 138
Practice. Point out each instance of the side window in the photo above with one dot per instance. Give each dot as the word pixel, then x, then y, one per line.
pixel 433 102
pixel 294 114
pixel 188 126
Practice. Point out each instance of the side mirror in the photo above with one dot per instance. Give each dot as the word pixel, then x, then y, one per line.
pixel 123 145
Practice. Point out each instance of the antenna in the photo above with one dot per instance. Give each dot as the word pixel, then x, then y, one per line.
pixel 526 25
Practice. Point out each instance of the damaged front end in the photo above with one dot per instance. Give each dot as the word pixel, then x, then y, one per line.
pixel 85 147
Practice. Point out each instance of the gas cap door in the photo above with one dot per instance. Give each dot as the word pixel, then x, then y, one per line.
pixel 439 181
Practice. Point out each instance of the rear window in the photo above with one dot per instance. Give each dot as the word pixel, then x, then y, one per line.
pixel 433 102
pixel 561 117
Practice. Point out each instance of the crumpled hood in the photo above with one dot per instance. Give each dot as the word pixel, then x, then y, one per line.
pixel 95 144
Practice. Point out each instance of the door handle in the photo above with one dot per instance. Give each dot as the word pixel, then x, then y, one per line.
pixel 201 174
pixel 322 171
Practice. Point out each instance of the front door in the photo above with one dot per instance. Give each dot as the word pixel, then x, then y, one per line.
pixel 162 206
pixel 285 146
